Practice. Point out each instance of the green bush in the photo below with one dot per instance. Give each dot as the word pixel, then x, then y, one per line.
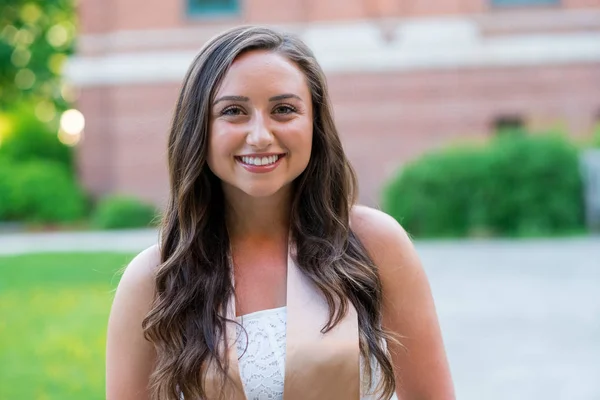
pixel 436 196
pixel 120 212
pixel 517 185
pixel 44 192
pixel 29 139
pixel 535 187
pixel 6 191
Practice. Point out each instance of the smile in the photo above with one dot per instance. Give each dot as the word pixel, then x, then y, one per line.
pixel 260 163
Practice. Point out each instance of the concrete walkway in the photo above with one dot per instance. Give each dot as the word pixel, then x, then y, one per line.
pixel 520 319
pixel 121 241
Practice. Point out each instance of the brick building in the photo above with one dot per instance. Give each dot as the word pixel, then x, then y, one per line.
pixel 405 76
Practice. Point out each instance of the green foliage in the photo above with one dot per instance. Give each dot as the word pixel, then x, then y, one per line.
pixel 518 185
pixel 28 139
pixel 43 192
pixel 37 182
pixel 121 212
pixel 6 193
pixel 536 186
pixel 36 36
pixel 436 195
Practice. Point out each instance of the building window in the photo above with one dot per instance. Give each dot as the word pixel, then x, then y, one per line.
pixel 213 7
pixel 517 3
pixel 509 124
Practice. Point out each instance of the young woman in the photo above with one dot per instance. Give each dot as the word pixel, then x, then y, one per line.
pixel 268 282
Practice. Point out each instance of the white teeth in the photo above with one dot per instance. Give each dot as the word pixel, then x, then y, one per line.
pixel 259 160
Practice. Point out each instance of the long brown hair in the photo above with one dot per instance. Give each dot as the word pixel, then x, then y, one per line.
pixel 193 285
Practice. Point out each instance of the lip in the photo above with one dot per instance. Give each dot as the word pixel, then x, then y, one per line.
pixel 260 169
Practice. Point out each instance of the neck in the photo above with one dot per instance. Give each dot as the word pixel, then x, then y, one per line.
pixel 264 218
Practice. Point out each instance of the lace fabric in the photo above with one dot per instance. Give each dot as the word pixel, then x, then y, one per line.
pixel 261 349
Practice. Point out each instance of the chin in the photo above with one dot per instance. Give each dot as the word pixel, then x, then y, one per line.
pixel 261 192
pixel 258 189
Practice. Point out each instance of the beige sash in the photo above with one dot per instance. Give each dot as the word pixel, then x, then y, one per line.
pixel 317 366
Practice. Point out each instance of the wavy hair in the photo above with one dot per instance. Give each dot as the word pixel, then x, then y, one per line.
pixel 193 284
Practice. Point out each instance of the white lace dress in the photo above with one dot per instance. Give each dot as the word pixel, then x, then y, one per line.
pixel 262 361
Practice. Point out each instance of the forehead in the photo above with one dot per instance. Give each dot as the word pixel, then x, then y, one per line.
pixel 263 71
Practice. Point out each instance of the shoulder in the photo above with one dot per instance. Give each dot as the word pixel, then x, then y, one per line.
pixel 370 220
pixel 141 270
pixel 389 246
pixel 137 284
pixel 144 264
pixel 382 236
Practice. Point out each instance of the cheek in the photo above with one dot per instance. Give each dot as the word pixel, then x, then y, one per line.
pixel 220 147
pixel 298 141
pixel 304 142
pixel 226 139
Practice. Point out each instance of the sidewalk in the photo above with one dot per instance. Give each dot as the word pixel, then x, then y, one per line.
pixel 130 241
pixel 136 240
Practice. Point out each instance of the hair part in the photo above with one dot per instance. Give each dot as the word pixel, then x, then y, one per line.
pixel 193 283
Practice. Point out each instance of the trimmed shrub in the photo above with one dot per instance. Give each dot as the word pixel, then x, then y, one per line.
pixel 536 187
pixel 438 194
pixel 121 212
pixel 45 192
pixel 30 139
pixel 517 185
pixel 6 190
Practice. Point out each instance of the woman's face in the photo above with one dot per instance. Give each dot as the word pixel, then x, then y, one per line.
pixel 261 125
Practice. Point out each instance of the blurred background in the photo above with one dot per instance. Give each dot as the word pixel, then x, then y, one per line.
pixel 475 123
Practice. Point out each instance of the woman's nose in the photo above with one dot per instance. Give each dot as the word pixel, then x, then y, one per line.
pixel 259 136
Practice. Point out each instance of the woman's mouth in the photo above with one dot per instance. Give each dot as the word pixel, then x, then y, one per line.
pixel 260 163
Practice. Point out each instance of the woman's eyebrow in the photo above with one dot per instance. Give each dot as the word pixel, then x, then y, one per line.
pixel 285 96
pixel 232 98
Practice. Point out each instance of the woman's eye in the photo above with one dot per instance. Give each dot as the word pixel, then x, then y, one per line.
pixel 284 109
pixel 232 111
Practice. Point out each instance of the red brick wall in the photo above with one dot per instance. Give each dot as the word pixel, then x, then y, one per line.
pixel 95 150
pixel 124 145
pixel 581 3
pixel 105 15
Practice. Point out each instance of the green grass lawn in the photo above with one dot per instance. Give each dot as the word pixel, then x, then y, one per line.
pixel 53 314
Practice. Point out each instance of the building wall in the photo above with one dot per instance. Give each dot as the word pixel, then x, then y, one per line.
pixel 98 16
pixel 400 86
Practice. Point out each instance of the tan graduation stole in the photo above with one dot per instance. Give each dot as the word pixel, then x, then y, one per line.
pixel 317 366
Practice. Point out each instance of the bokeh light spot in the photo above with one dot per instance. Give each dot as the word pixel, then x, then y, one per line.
pixel 72 122
pixel 24 37
pixel 56 62
pixel 69 92
pixel 30 13
pixel 57 36
pixel 20 57
pixel 8 33
pixel 68 139
pixel 45 111
pixel 24 79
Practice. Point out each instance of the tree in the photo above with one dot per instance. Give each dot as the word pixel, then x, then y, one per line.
pixel 36 37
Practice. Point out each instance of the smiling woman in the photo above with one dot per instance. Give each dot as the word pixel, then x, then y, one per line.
pixel 268 281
